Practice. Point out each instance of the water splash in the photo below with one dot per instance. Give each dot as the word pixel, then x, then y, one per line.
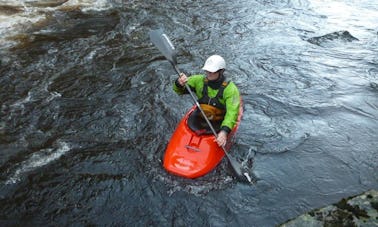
pixel 37 160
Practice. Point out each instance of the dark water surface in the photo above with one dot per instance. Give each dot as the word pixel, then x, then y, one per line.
pixel 87 110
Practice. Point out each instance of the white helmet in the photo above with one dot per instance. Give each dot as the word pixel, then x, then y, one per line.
pixel 214 63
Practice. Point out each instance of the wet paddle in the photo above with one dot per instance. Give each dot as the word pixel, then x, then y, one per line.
pixel 162 42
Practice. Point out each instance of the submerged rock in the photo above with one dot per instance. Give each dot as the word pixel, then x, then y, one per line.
pixel 340 36
pixel 10 10
pixel 361 210
pixel 46 3
pixel 10 7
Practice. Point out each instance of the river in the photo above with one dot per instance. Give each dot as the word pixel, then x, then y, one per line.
pixel 87 109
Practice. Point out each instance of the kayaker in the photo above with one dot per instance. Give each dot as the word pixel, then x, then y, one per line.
pixel 219 98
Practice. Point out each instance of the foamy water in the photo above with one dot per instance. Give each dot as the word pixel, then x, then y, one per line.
pixel 17 17
pixel 37 160
pixel 338 12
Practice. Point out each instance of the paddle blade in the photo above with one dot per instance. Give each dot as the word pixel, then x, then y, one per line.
pixel 238 169
pixel 162 42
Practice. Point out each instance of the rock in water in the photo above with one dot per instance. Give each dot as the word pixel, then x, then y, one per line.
pixel 18 5
pixel 344 36
pixel 46 3
pixel 361 210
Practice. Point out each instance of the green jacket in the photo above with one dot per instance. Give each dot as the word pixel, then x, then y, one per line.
pixel 231 98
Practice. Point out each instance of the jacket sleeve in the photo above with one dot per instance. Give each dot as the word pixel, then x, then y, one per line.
pixel 195 83
pixel 232 101
pixel 178 88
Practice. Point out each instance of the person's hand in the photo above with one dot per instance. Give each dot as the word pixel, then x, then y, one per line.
pixel 182 79
pixel 222 138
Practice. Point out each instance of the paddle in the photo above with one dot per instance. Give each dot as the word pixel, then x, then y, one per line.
pixel 162 42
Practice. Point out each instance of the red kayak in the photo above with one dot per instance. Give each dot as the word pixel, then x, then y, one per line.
pixel 192 151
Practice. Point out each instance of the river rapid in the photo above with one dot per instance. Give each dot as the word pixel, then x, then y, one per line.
pixel 87 109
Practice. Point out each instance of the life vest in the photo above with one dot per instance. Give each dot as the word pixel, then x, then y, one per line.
pixel 212 107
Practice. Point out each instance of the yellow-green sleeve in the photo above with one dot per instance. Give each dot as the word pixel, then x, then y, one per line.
pixel 232 101
pixel 195 83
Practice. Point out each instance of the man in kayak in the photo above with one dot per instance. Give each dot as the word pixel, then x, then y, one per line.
pixel 218 98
